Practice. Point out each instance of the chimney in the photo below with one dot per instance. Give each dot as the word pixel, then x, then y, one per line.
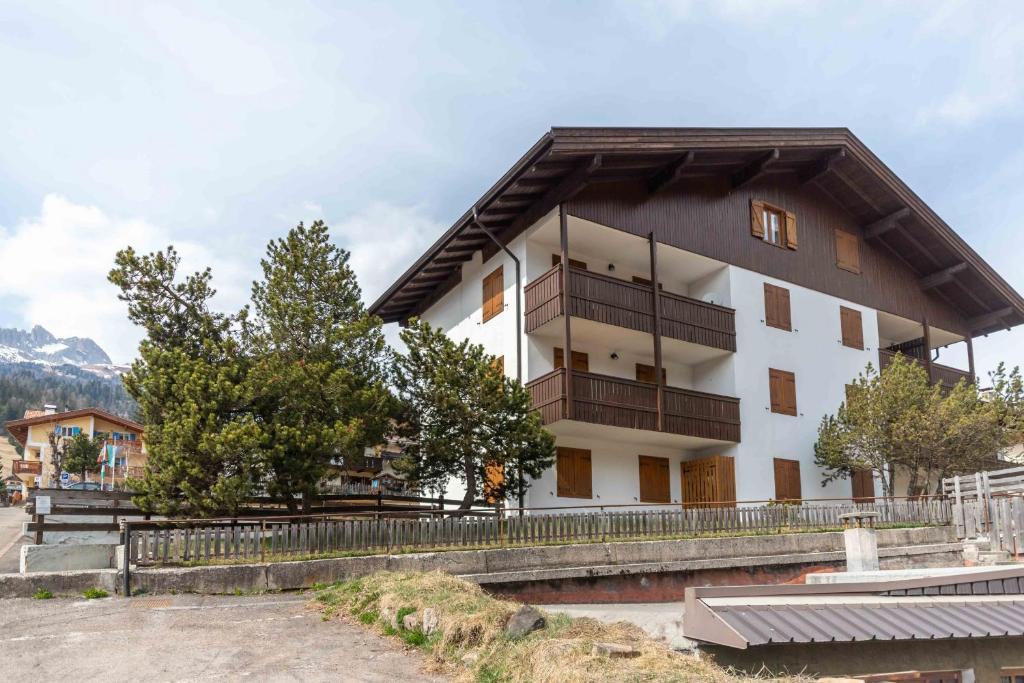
pixel 49 409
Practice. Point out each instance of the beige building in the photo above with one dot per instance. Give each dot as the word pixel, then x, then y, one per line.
pixel 123 443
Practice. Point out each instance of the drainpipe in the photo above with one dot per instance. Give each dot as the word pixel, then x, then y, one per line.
pixel 519 320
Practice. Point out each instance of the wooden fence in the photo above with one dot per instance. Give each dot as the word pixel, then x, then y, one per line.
pixel 204 541
pixel 984 485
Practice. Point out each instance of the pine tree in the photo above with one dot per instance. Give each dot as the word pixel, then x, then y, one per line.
pixel 188 383
pixel 83 454
pixel 317 381
pixel 463 419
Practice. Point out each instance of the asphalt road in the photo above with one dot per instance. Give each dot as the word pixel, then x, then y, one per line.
pixel 11 519
pixel 275 637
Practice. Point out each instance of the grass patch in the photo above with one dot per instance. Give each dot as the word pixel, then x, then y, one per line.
pixel 471 622
pixel 43 594
pixel 94 593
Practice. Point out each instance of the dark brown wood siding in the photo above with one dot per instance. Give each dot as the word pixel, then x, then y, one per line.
pixel 707 218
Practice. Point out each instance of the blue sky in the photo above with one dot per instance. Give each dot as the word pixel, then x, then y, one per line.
pixel 216 126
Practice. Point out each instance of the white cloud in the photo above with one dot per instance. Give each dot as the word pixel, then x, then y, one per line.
pixel 56 265
pixel 384 240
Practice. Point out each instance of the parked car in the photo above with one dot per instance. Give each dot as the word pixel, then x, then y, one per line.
pixel 83 486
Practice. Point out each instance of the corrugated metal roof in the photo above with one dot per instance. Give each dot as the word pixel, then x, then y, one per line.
pixel 880 619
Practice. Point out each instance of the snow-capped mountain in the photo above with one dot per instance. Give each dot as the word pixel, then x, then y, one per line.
pixel 40 346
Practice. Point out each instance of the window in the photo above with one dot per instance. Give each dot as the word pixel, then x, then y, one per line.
pixel 1013 674
pixel 580 360
pixel 847 251
pixel 494 294
pixel 67 431
pixel 863 483
pixel 573 263
pixel 782 388
pixel 776 307
pixel 654 486
pixel 645 373
pixel 572 469
pixel 787 479
pixel 852 328
pixel 772 224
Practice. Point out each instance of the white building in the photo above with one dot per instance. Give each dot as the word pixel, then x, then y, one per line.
pixel 787 260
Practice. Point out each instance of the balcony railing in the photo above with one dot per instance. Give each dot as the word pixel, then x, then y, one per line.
pixel 27 467
pixel 617 402
pixel 941 374
pixel 608 300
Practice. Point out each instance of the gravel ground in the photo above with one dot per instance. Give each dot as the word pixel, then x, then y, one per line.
pixel 274 637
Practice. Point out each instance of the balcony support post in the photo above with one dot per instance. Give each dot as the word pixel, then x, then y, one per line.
pixel 656 297
pixel 970 357
pixel 928 351
pixel 563 230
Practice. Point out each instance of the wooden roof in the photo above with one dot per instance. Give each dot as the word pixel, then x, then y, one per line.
pixel 19 428
pixel 565 160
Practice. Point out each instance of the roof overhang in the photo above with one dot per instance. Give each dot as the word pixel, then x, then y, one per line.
pixel 565 160
pixel 19 428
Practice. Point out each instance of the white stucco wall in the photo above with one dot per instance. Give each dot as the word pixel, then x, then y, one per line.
pixel 822 365
pixel 812 351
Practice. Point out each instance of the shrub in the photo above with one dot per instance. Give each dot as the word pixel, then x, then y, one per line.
pixel 94 593
pixel 42 594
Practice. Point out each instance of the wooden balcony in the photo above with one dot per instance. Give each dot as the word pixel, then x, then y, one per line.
pixel 616 402
pixel 941 374
pixel 27 467
pixel 605 299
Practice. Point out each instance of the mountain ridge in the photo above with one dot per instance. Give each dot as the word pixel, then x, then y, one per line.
pixel 39 345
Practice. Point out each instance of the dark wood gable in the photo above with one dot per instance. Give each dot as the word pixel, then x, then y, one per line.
pixel 706 216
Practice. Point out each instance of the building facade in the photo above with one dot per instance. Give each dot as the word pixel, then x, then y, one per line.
pixel 690 303
pixel 124 449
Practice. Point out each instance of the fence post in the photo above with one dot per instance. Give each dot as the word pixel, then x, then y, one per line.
pixel 126 541
pixel 263 534
pixel 39 520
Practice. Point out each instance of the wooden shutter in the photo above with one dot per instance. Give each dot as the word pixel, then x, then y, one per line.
pixel 863 483
pixel 782 391
pixel 580 360
pixel 791 230
pixel 852 327
pixel 499 364
pixel 573 473
pixel 644 281
pixel 787 480
pixel 847 251
pixel 645 373
pixel 494 294
pixel 757 218
pixel 654 483
pixel 776 307
pixel 573 263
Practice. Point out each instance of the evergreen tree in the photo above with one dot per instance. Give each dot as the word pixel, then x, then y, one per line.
pixel 188 383
pixel 463 419
pixel 317 381
pixel 897 422
pixel 83 454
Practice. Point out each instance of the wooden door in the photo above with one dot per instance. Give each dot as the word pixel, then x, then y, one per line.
pixel 654 484
pixel 580 360
pixel 573 473
pixel 645 373
pixel 709 481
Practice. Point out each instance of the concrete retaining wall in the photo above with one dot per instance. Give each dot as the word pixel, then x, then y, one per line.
pixel 500 565
pixel 58 583
pixel 60 558
pixel 644 563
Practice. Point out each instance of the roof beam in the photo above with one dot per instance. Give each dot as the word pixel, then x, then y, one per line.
pixel 565 189
pixel 822 167
pixel 943 276
pixel 754 169
pixel 670 174
pixel 985 321
pixel 884 225
pixel 852 187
